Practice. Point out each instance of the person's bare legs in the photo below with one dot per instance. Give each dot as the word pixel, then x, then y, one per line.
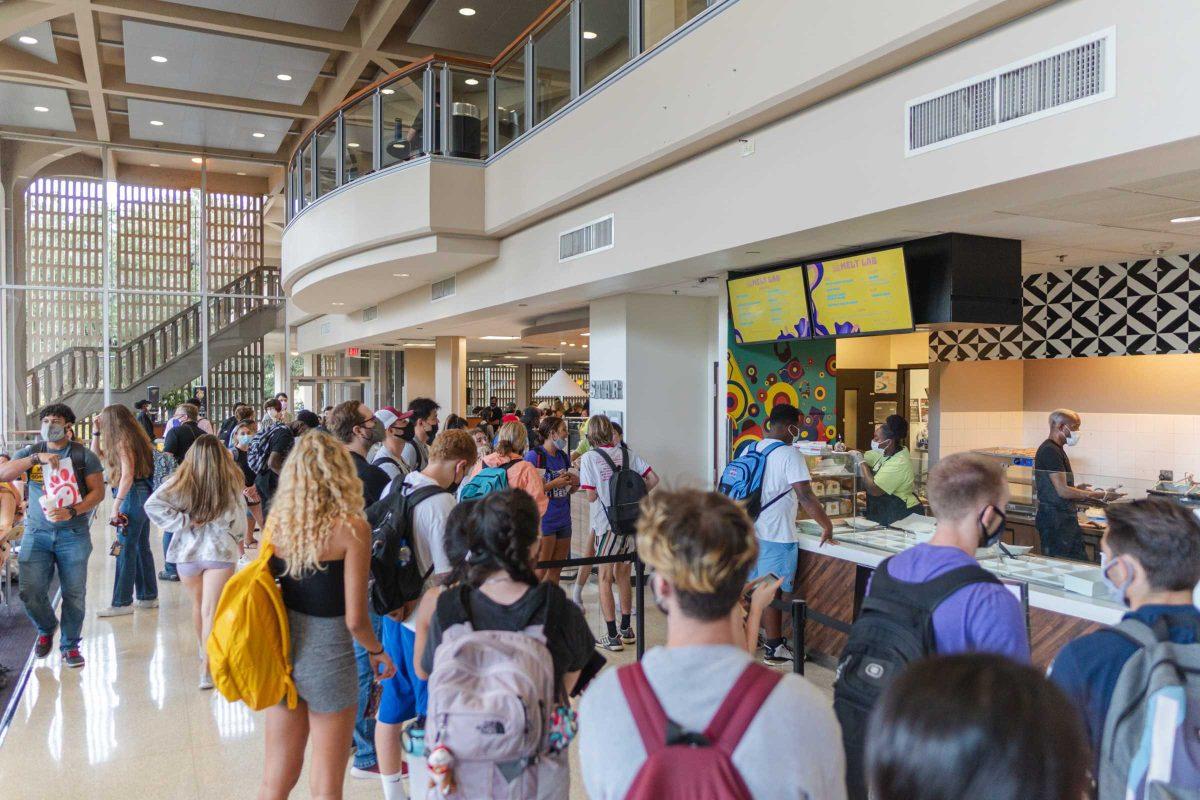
pixel 545 553
pixel 195 589
pixel 585 572
pixel 287 733
pixel 560 552
pixel 332 735
pixel 214 581
pixel 387 748
pixel 622 572
pixel 607 606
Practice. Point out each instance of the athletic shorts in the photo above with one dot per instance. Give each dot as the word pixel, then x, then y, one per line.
pixel 404 695
pixel 615 544
pixel 782 558
pixel 557 533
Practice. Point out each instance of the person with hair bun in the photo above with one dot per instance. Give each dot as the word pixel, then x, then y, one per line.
pixel 701 547
pixel 887 474
pixel 512 442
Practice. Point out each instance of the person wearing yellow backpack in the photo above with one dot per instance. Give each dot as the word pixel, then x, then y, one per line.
pixel 318 543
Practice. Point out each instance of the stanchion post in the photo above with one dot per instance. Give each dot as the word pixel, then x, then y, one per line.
pixel 640 570
pixel 799 618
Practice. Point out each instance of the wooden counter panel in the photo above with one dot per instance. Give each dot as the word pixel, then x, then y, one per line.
pixel 827 585
pixel 1051 630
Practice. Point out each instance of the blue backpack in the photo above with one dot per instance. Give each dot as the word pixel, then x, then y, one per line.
pixel 742 479
pixel 486 481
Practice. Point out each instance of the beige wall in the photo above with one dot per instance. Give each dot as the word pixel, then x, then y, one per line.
pixel 419 374
pixel 982 386
pixel 1125 384
pixel 883 352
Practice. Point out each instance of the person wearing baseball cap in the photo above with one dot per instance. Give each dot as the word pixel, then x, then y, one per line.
pixel 397 427
pixel 305 421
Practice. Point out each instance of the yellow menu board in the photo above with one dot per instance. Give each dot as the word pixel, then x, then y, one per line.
pixel 867 293
pixel 769 306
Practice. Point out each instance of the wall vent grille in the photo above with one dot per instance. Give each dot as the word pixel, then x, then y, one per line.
pixel 1072 75
pixel 587 239
pixel 442 289
pixel 370 313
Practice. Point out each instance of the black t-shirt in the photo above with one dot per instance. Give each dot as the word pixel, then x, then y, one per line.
pixel 147 424
pixel 374 479
pixel 1051 457
pixel 180 439
pixel 568 637
pixel 243 461
pixel 281 441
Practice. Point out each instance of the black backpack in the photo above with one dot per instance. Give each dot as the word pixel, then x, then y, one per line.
pixel 894 629
pixel 258 456
pixel 626 489
pixel 397 577
pixel 78 455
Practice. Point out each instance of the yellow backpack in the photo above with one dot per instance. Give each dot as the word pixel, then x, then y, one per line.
pixel 249 649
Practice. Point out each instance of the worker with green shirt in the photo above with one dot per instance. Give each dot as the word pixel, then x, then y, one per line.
pixel 886 472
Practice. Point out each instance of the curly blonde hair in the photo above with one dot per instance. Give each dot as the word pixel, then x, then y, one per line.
pixel 318 489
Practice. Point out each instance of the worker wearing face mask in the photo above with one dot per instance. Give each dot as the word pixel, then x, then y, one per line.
pixel 886 472
pixel 1054 482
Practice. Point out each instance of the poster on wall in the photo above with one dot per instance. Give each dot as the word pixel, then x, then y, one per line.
pixel 769 306
pixel 866 293
pixel 885 381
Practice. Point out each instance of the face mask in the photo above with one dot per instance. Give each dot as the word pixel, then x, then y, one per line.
pixel 433 430
pixel 1116 593
pixel 795 432
pixel 245 439
pixel 876 446
pixel 375 434
pixel 53 432
pixel 1073 438
pixel 560 444
pixel 987 539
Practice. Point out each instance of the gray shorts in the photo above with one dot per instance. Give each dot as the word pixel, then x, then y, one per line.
pixel 323 665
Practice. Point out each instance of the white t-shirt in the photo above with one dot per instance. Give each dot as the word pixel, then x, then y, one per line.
pixel 429 525
pixel 415 455
pixel 785 466
pixel 595 474
pixel 388 463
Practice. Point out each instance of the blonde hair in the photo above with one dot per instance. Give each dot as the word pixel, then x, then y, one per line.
pixel 600 431
pixel 512 439
pixel 208 482
pixel 454 445
pixel 318 489
pixel 702 542
pixel 122 433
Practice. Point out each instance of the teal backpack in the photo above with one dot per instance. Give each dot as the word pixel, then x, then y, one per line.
pixel 486 481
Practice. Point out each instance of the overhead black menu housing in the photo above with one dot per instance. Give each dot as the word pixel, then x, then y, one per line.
pixel 957 279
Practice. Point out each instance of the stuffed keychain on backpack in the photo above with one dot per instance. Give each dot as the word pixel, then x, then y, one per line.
pixel 564 727
pixel 441 770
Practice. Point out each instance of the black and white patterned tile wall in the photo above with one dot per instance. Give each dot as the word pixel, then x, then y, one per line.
pixel 1132 308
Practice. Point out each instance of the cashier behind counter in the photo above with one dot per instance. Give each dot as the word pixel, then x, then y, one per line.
pixel 887 474
pixel 1057 495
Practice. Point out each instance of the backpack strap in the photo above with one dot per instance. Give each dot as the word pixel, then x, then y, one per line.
pixel 929 594
pixel 740 706
pixel 647 711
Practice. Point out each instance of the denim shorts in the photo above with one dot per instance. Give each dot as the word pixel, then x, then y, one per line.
pixel 782 558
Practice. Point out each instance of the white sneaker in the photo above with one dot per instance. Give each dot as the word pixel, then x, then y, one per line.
pixel 115 611
pixel 612 643
pixel 146 603
pixel 205 677
pixel 780 654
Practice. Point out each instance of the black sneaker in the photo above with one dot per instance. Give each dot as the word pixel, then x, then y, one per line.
pixel 779 654
pixel 73 658
pixel 628 636
pixel 42 648
pixel 165 575
pixel 612 643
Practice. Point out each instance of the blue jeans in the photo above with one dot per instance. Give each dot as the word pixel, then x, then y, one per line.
pixel 42 550
pixel 364 728
pixel 135 565
pixel 168 567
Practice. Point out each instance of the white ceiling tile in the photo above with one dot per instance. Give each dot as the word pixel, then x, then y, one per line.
pixel 17 103
pixel 205 127
pixel 331 14
pixel 495 24
pixel 1104 207
pixel 43 48
pixel 217 64
pixel 1185 185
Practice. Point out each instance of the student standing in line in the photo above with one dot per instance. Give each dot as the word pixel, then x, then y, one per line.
pixel 1151 566
pixel 128 457
pixel 701 546
pixel 323 544
pixel 786 487
pixel 421 431
pixel 144 417
pixel 390 456
pixel 511 446
pixel 177 442
pixel 595 476
pixel 552 459
pixel 975 726
pixel 241 438
pixel 278 442
pixel 203 503
pixel 58 538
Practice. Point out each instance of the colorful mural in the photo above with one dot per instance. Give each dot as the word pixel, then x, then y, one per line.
pixel 803 373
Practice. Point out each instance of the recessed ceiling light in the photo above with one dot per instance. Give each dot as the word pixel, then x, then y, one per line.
pixel 336 303
pixel 485 361
pixel 518 358
pixel 158 123
pixel 563 343
pixel 471 82
pixel 197 160
pixel 154 165
pixel 499 338
pixel 40 109
pixel 283 76
pixel 159 59
pixel 241 173
pixel 1181 220
pixel 351 144
pixel 399 274
pixel 572 344
pixel 548 354
pixel 28 40
pixel 467 12
pixel 473 360
pixel 387 91
pixel 295 352
pixel 590 34
pixel 585 335
pixel 258 135
pixel 585 347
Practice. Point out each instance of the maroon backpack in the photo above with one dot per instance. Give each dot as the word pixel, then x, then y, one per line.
pixel 681 765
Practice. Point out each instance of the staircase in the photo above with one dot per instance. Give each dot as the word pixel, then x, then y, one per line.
pixel 168 355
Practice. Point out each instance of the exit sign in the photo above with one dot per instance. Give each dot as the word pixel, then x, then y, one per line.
pixel 353 352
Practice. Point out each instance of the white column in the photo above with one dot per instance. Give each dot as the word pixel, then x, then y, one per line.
pixel 450 374
pixel 661 349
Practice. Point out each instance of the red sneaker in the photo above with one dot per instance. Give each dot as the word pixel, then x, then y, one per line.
pixel 73 659
pixel 42 648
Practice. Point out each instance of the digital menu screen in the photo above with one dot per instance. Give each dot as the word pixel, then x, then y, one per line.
pixel 769 306
pixel 866 293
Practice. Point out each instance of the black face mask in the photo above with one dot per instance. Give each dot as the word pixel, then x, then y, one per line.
pixel 989 539
pixel 433 432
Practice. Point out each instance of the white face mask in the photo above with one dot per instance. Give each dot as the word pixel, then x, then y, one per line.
pixel 1073 438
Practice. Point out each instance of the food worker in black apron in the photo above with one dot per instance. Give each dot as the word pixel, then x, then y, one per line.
pixel 1054 481
pixel 886 472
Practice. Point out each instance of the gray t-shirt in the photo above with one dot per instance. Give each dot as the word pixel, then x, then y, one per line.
pixel 36 517
pixel 792 749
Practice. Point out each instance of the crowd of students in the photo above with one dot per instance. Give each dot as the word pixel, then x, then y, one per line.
pixel 419 670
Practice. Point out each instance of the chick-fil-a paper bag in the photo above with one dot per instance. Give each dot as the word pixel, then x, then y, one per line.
pixel 60 487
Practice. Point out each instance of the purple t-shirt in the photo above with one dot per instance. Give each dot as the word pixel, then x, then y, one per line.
pixel 980 617
pixel 558 512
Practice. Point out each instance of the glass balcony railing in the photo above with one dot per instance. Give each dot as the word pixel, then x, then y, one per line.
pixel 474 109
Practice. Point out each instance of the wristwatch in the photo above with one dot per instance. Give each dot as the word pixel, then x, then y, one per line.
pixel 74 513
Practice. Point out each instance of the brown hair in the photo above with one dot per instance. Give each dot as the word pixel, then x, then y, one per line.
pixel 191 411
pixel 703 543
pixel 600 431
pixel 549 425
pixel 454 445
pixel 122 434
pixel 512 439
pixel 243 413
pixel 344 418
pixel 1163 536
pixel 273 404
pixel 208 483
pixel 959 484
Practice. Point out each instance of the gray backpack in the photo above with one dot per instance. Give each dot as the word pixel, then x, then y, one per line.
pixel 1151 744
pixel 491 694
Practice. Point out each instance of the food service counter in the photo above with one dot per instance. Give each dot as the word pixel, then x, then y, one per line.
pixel 832 581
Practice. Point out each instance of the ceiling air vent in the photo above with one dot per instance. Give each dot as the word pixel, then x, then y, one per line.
pixel 585 240
pixel 1072 75
pixel 370 313
pixel 442 289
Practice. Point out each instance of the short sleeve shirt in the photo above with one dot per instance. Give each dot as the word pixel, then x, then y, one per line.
pixel 36 515
pixel 894 474
pixel 595 474
pixel 785 466
pixel 1051 458
pixel 374 480
pixel 558 512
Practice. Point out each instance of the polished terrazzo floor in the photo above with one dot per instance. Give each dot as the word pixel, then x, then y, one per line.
pixel 132 725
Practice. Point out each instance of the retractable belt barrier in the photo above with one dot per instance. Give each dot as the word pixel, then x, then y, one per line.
pixel 639 571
